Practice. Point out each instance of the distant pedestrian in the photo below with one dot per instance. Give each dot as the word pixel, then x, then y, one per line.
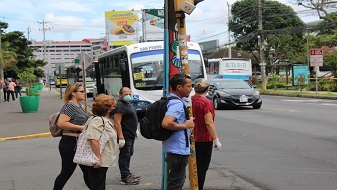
pixel 126 122
pixel 102 106
pixel 2 85
pixel 11 88
pixel 204 131
pixel 177 147
pixel 17 88
pixel 5 90
pixel 71 120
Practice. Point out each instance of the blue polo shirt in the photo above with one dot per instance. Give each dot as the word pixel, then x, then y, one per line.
pixel 177 142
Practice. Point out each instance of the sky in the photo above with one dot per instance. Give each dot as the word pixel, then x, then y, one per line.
pixel 72 20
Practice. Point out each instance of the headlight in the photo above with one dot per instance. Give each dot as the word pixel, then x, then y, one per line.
pixel 256 95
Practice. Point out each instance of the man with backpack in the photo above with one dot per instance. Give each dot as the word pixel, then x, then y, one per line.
pixel 177 146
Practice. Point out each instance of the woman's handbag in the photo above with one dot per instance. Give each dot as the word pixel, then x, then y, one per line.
pixel 84 154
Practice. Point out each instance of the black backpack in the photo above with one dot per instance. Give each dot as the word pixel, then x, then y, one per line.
pixel 150 125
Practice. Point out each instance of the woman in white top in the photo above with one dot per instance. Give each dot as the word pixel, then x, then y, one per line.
pixel 102 106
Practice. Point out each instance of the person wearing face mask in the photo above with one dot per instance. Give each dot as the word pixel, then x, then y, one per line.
pixel 126 121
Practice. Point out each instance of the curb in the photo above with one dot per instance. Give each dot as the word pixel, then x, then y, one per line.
pixel 298 95
pixel 26 137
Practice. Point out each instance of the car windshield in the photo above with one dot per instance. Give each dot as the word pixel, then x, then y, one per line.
pixel 232 84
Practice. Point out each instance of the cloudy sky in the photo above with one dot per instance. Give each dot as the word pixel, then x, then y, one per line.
pixel 79 19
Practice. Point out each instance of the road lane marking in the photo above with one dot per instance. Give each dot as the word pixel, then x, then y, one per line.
pixel 281 109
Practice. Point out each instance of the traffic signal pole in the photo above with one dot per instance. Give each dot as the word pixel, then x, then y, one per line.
pixel 183 51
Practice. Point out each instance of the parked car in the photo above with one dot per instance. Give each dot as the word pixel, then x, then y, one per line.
pixel 233 93
pixel 258 76
pixel 51 81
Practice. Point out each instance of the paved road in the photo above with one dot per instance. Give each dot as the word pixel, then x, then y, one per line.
pixel 33 163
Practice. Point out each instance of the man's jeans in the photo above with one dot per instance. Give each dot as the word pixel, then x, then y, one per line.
pixel 0 95
pixel 125 154
pixel 176 170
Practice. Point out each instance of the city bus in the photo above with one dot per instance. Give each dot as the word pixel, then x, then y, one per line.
pixel 60 80
pixel 140 67
pixel 75 75
pixel 233 68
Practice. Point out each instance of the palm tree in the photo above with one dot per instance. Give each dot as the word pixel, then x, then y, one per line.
pixel 7 58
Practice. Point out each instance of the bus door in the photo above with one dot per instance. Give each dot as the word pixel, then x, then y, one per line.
pixel 124 67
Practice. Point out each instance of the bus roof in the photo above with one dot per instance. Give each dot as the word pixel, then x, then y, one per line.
pixel 145 46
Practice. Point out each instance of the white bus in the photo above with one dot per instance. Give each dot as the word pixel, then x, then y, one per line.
pixel 234 68
pixel 75 74
pixel 140 67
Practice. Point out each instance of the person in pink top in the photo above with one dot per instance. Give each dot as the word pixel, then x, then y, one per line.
pixel 11 86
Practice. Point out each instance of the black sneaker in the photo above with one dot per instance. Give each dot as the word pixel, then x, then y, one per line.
pixel 130 181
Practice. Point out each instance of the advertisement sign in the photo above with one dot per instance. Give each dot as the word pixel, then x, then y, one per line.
pixel 153 24
pixel 316 57
pixel 121 27
pixel 300 75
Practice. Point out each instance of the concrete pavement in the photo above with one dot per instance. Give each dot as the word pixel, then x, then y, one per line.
pixel 14 124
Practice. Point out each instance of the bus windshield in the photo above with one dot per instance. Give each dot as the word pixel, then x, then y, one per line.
pixel 147 68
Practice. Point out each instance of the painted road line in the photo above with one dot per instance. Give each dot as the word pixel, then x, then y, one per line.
pixel 26 137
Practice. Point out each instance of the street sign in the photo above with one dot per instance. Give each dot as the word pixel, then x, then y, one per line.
pixel 77 61
pixel 316 57
pixel 155 12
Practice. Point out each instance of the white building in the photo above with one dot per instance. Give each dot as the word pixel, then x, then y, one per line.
pixel 64 52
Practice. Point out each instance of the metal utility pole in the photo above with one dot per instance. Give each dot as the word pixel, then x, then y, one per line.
pixel 28 32
pixel 181 7
pixel 229 33
pixel 144 25
pixel 261 44
pixel 1 63
pixel 44 40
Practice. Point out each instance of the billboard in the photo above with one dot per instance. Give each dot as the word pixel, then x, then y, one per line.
pixel 121 27
pixel 153 25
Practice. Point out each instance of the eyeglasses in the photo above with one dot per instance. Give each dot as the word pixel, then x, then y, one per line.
pixel 82 91
pixel 128 94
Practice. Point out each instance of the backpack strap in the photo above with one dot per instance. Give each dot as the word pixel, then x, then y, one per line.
pixel 186 114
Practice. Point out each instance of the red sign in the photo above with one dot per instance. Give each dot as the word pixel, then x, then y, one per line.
pixel 316 57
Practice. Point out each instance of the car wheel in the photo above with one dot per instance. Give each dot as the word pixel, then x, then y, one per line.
pixel 256 106
pixel 216 103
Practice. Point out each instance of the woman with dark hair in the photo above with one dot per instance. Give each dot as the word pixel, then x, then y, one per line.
pixel 101 108
pixel 72 119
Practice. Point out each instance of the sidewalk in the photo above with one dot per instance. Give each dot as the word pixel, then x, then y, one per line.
pixel 18 125
pixel 303 94
pixel 14 123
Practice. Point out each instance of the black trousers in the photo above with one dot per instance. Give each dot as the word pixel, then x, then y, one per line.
pixel 203 152
pixel 5 95
pixel 10 93
pixel 176 171
pixel 97 177
pixel 67 148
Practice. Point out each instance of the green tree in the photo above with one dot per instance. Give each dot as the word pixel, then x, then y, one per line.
pixel 321 7
pixel 17 45
pixel 282 29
